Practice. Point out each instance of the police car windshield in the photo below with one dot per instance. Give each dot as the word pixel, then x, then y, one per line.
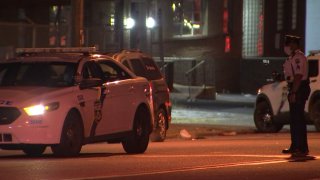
pixel 50 74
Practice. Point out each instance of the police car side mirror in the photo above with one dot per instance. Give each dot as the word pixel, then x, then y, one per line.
pixel 90 83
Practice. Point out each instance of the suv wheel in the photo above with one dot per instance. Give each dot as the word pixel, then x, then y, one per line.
pixel 315 114
pixel 71 137
pixel 160 133
pixel 34 150
pixel 138 141
pixel 263 119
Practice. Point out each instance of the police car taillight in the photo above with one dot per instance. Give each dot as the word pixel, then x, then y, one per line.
pixel 57 50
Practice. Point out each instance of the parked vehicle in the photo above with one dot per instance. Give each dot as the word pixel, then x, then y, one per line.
pixel 60 97
pixel 143 65
pixel 272 107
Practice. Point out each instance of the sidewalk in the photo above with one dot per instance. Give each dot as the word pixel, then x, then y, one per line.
pixel 204 131
pixel 185 95
pixel 227 115
pixel 247 100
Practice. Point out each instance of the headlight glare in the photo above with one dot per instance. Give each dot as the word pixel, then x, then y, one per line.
pixel 41 109
pixel 35 110
pixel 259 91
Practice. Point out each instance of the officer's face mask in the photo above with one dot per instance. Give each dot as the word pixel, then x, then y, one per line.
pixel 287 50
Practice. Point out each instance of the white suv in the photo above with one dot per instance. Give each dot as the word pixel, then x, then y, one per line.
pixel 64 100
pixel 272 107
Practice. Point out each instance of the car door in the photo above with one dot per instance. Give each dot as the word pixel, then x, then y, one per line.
pixel 118 107
pixel 313 72
pixel 89 101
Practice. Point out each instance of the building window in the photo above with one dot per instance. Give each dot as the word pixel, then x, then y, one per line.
pixel 280 6
pixel 59 29
pixel 253 25
pixel 188 17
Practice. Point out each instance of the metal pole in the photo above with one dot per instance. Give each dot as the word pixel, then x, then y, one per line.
pixel 161 54
pixel 77 30
pixel 34 34
pixel 119 23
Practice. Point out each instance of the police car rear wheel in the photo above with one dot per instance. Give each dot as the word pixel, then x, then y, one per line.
pixel 160 133
pixel 315 115
pixel 263 119
pixel 71 137
pixel 138 141
pixel 34 150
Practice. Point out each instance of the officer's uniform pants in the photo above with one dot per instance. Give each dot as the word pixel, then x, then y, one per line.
pixel 298 125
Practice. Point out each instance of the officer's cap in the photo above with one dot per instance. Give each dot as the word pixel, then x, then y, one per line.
pixel 291 39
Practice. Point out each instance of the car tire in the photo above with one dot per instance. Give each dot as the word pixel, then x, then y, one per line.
pixel 34 150
pixel 160 133
pixel 315 114
pixel 138 140
pixel 71 137
pixel 263 119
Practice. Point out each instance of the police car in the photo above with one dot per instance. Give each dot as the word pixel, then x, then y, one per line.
pixel 60 97
pixel 272 107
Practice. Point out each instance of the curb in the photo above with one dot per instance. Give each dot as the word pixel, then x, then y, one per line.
pixel 195 131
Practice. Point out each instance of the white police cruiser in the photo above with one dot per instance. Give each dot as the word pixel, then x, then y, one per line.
pixel 272 107
pixel 60 97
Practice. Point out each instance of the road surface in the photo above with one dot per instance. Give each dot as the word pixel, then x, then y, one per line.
pixel 251 156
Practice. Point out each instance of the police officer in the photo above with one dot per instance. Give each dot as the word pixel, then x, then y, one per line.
pixel 296 74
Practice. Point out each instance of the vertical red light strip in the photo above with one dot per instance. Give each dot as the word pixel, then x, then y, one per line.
pixel 225 27
pixel 225 21
pixel 227 44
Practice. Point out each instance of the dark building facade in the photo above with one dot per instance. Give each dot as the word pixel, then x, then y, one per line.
pixel 278 18
pixel 232 45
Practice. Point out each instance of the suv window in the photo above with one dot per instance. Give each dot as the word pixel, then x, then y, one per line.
pixel 138 68
pixel 126 64
pixel 152 69
pixel 145 68
pixel 112 72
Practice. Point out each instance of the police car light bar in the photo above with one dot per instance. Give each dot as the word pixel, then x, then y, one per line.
pixel 57 50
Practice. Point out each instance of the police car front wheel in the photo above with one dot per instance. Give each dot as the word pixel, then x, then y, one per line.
pixel 138 141
pixel 71 137
pixel 263 119
pixel 315 114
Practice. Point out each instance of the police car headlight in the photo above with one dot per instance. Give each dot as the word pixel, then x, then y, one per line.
pixel 41 109
pixel 259 91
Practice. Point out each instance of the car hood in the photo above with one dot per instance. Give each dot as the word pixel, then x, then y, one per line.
pixel 273 85
pixel 22 96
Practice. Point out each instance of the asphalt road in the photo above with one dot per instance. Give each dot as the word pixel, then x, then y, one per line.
pixel 251 156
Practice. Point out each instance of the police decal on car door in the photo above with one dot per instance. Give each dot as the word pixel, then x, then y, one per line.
pixel 98 104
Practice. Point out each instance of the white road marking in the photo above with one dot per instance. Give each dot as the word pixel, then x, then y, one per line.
pixel 209 155
pixel 284 159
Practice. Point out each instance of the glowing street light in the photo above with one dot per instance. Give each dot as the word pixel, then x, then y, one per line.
pixel 129 23
pixel 150 23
